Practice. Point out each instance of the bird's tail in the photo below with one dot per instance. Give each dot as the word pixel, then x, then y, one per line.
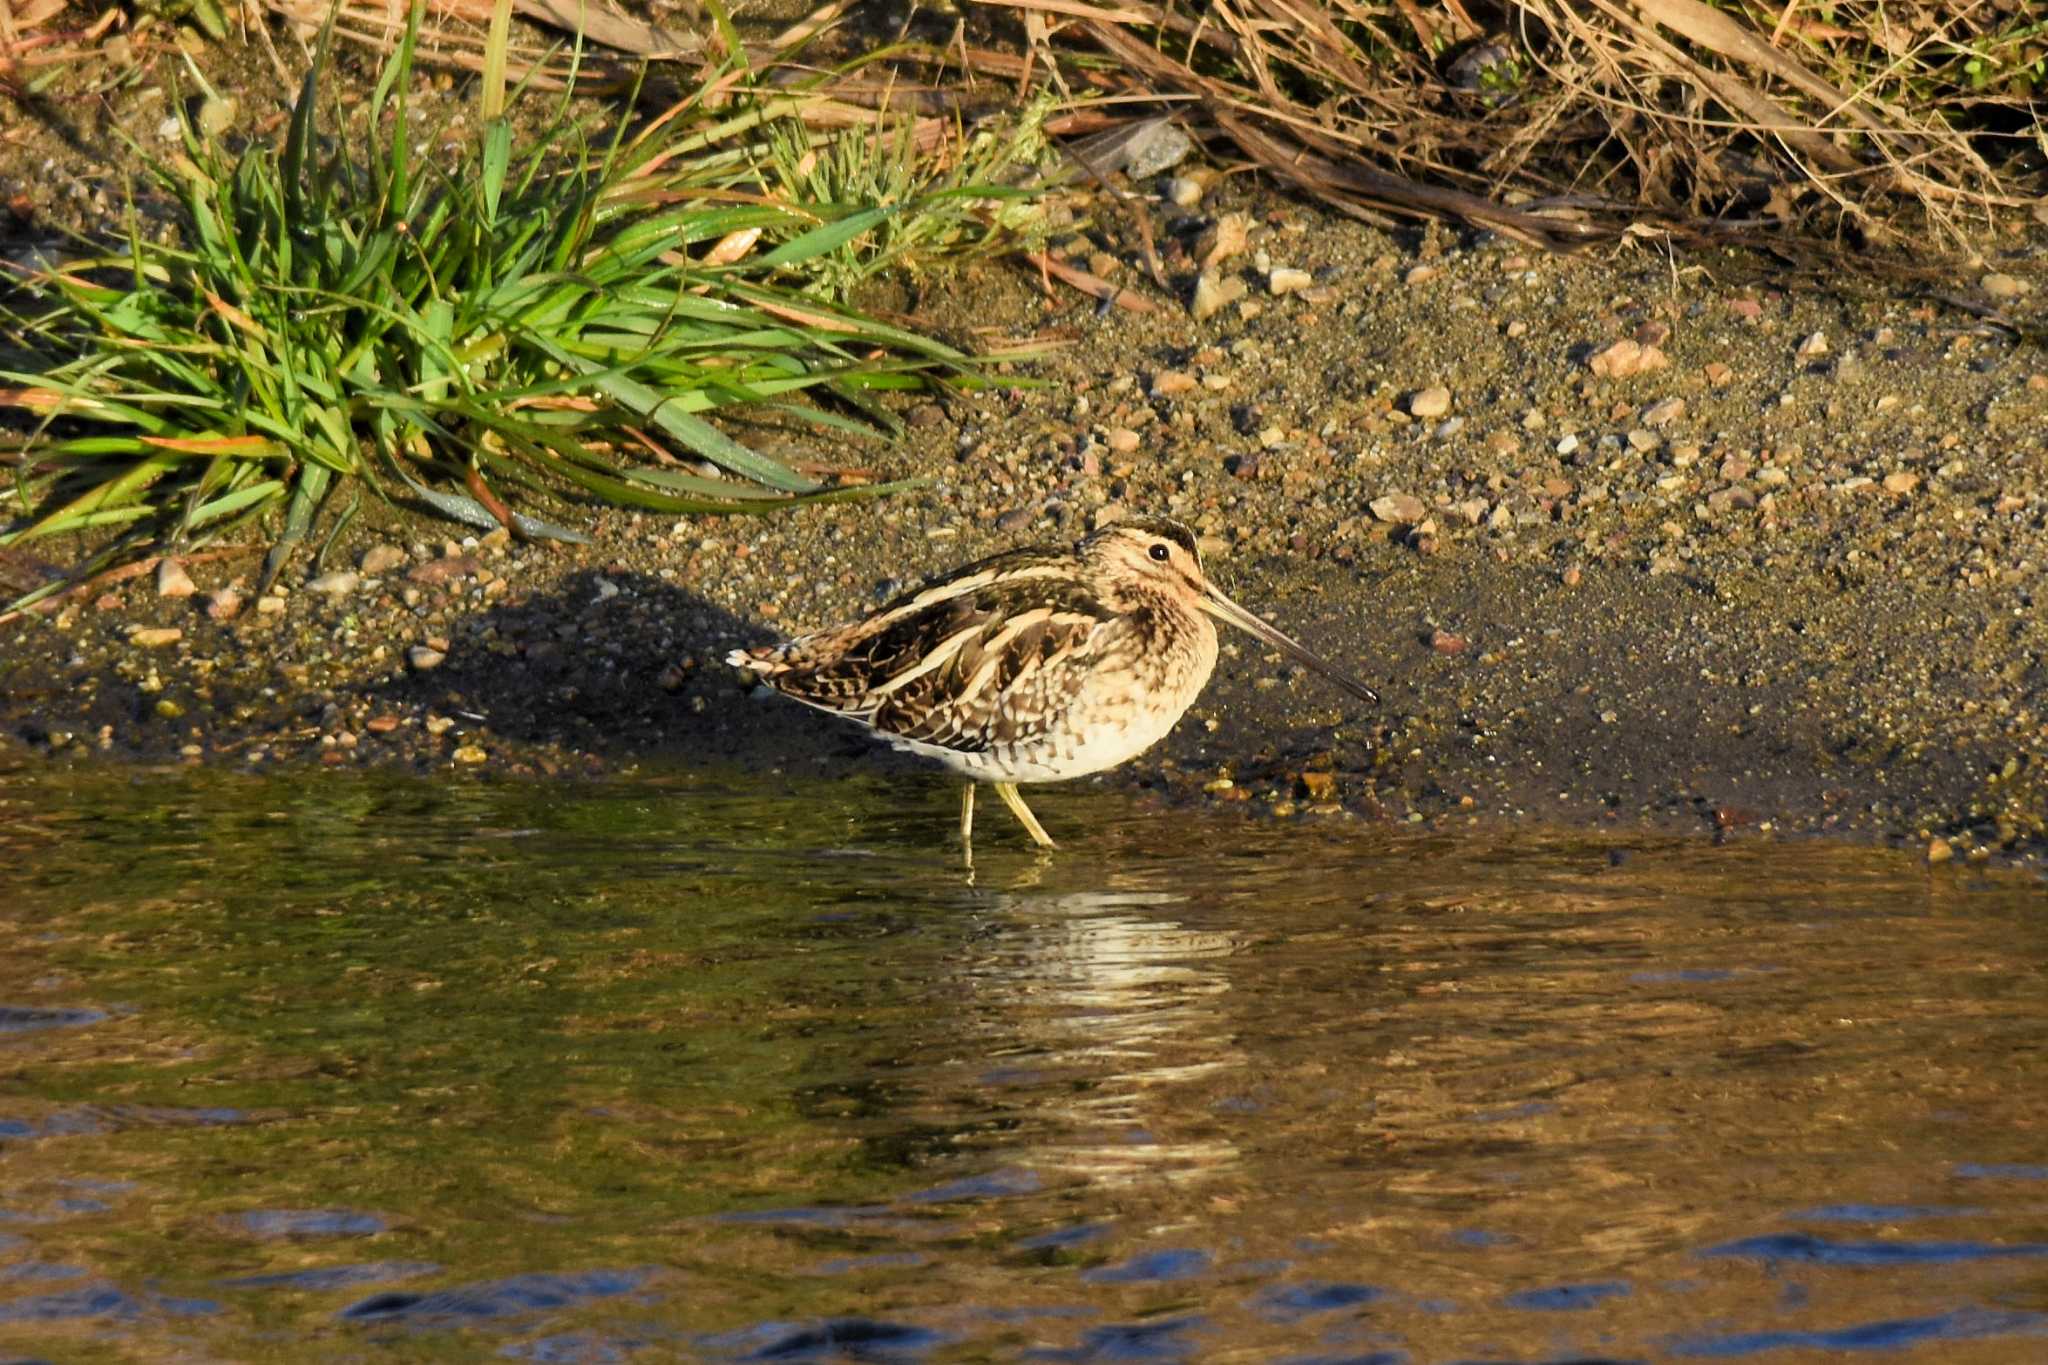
pixel 763 659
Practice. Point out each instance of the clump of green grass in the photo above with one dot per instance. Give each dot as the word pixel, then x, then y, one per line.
pixel 522 320
pixel 880 165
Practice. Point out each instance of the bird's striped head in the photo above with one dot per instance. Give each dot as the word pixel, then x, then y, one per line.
pixel 1149 554
pixel 1156 556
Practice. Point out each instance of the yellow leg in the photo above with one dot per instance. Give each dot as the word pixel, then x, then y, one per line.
pixel 1008 791
pixel 967 818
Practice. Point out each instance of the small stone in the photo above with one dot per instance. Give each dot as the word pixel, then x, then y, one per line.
pixel 424 657
pixel 381 559
pixel 216 115
pixel 2001 286
pixel 270 604
pixel 154 637
pixel 1572 576
pixel 224 605
pixel 1286 280
pixel 1718 374
pixel 1653 333
pixel 1444 642
pixel 1016 519
pixel 1214 293
pixel 172 580
pixel 438 572
pixel 1319 786
pixel 1624 358
pixel 1169 383
pixel 441 725
pixel 1643 441
pixel 340 583
pixel 1939 850
pixel 1664 412
pixel 1227 237
pixel 1421 274
pixel 1183 191
pixel 381 725
pixel 1901 482
pixel 469 754
pixel 1814 347
pixel 1471 511
pixel 1400 509
pixel 1433 401
pixel 1122 440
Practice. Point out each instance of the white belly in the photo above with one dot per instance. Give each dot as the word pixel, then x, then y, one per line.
pixel 1105 724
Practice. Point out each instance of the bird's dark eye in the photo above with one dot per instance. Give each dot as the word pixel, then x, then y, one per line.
pixel 1159 552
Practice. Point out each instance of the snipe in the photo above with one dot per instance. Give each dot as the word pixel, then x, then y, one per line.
pixel 1031 666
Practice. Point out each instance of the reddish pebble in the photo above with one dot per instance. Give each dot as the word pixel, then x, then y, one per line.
pixel 1444 642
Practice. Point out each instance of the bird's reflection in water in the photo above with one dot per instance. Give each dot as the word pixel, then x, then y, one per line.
pixel 1098 1015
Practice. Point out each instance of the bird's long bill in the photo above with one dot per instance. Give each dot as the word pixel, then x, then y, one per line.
pixel 1224 609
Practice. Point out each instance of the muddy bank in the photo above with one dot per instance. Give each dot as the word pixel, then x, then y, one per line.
pixel 1771 565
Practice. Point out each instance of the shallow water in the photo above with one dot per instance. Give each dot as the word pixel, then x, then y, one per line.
pixel 332 1068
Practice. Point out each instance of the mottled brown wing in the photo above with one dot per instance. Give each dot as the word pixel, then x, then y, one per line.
pixel 978 660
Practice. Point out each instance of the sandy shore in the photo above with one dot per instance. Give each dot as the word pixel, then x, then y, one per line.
pixel 1770 566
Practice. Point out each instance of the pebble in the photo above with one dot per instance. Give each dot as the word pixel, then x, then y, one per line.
pixel 1664 412
pixel 1433 401
pixel 424 657
pixel 1214 293
pixel 1939 850
pixel 1444 642
pixel 154 637
pixel 1287 280
pixel 444 570
pixel 1122 440
pixel 1169 383
pixel 216 115
pixel 270 604
pixel 172 580
pixel 1624 358
pixel 224 605
pixel 1227 237
pixel 1815 346
pixel 1901 482
pixel 382 559
pixel 1184 191
pixel 1319 786
pixel 1421 274
pixel 340 583
pixel 471 754
pixel 1400 509
pixel 1718 374
pixel 381 725
pixel 2001 286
